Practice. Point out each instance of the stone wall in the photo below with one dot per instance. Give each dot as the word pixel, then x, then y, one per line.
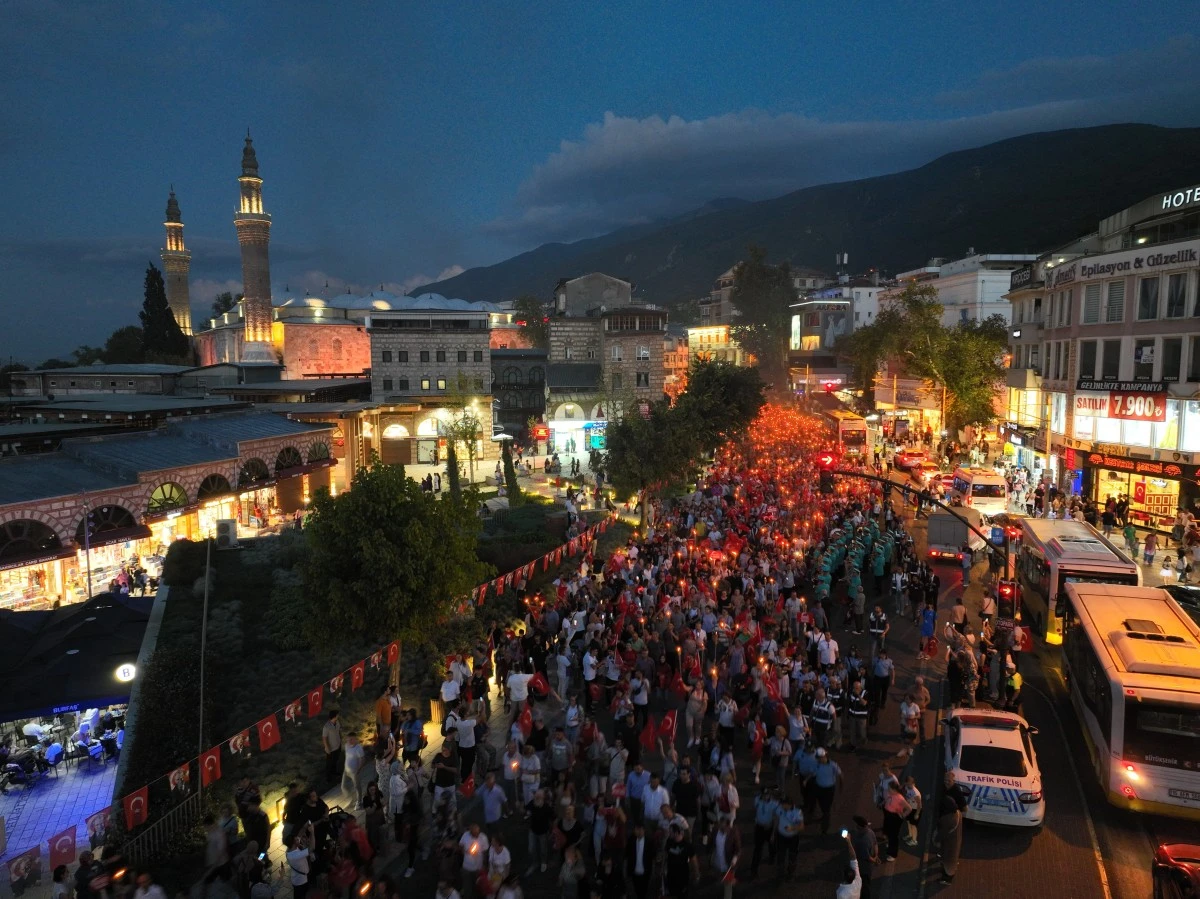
pixel 325 349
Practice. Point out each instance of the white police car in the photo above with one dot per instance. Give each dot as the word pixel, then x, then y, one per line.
pixel 992 758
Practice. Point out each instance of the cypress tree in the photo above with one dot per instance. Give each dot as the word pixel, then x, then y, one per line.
pixel 162 338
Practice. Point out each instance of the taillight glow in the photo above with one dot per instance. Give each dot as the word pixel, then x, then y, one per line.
pixel 1132 774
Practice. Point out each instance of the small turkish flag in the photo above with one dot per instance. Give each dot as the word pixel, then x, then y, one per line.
pixel 62 848
pixel 525 722
pixel 393 653
pixel 539 685
pixel 545 561
pixel 335 685
pixel 137 807
pixel 468 786
pixel 772 686
pixel 316 699
pixel 376 659
pixel 648 734
pixel 291 712
pixel 268 733
pixel 666 728
pixel 678 687
pixel 356 676
pixel 210 766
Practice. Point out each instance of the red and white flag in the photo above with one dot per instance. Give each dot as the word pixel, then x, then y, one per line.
pixel 468 786
pixel 525 722
pixel 25 870
pixel 316 700
pixel 62 848
pixel 357 672
pixel 648 734
pixel 393 652
pixel 291 712
pixel 268 733
pixel 210 766
pixel 137 807
pixel 335 684
pixel 239 744
pixel 376 659
pixel 666 727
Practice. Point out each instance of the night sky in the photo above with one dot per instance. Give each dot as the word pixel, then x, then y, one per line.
pixel 401 141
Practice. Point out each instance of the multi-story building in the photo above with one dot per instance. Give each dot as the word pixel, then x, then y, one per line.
pixel 1105 360
pixel 606 354
pixel 970 289
pixel 518 388
pixel 430 364
pixel 819 319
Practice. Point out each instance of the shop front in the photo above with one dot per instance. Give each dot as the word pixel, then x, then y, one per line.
pixel 35 582
pixel 1156 490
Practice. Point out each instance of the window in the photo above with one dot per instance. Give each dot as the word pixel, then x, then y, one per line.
pixel 424 383
pixel 1116 302
pixel 1058 413
pixel 112 383
pixel 424 355
pixel 441 355
pixel 402 355
pixel 616 352
pixel 1177 296
pixel 643 352
pixel 1069 298
pixel 1172 358
pixel 568 352
pixel 1143 359
pixel 441 382
pixel 402 383
pixel 387 383
pixel 1194 361
pixel 643 379
pixel 462 355
pixel 1147 298
pixel 1033 357
pixel 385 356
pixel 478 357
pixel 1087 359
pixel 591 353
pixel 1110 363
pixel 616 381
pixel 1091 306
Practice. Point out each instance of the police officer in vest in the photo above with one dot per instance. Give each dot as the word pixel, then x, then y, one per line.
pixel 860 708
pixel 821 718
pixel 877 624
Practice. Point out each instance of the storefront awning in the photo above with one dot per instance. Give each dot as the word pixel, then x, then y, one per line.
pixel 121 535
pixel 36 558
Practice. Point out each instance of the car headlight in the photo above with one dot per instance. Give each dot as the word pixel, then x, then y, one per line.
pixel 1029 798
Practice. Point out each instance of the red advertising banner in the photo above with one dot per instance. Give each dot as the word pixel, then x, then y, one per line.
pixel 1137 406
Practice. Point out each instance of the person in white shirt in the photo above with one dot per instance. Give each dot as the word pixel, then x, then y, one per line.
pixel 827 650
pixel 473 845
pixel 355 757
pixel 147 888
pixel 851 885
pixel 299 857
pixel 518 689
pixel 654 797
pixel 450 690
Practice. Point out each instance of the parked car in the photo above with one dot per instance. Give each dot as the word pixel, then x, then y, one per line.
pixel 1176 871
pixel 906 459
pixel 992 757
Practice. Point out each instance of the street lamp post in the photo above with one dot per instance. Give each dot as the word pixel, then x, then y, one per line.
pixel 87 543
pixel 204 638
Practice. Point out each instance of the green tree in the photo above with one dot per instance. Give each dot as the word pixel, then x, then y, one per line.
pixel 7 372
pixel 763 295
pixel 54 362
pixel 225 302
pixel 721 400
pixel 464 429
pixel 85 355
pixel 531 316
pixel 162 338
pixel 512 487
pixel 387 560
pixel 124 346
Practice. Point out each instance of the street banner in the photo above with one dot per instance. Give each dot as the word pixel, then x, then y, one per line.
pixel 268 733
pixel 291 712
pixel 62 848
pixel 25 871
pixel 335 684
pixel 357 673
pixel 393 652
pixel 239 744
pixel 181 781
pixel 136 806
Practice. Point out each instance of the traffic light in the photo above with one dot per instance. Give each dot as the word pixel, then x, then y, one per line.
pixel 1006 600
pixel 825 462
pixel 826 482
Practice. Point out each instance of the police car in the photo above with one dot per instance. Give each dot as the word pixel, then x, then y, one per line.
pixel 992 758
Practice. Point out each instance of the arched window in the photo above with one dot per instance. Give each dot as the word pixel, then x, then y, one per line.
pixel 512 375
pixel 213 486
pixel 166 498
pixel 512 400
pixel 537 375
pixel 289 457
pixel 103 519
pixel 254 471
pixel 337 348
pixel 428 428
pixel 313 350
pixel 318 452
pixel 25 537
pixel 395 431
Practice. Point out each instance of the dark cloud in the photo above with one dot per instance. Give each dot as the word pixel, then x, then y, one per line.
pixel 121 252
pixel 625 170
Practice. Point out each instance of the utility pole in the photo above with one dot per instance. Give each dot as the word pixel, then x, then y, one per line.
pixel 87 542
pixel 204 639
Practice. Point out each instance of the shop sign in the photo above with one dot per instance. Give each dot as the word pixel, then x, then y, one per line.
pixel 1124 400
pixel 42 559
pixel 1178 199
pixel 1062 275
pixel 1137 466
pixel 1139 261
pixel 1021 278
pixel 1069 458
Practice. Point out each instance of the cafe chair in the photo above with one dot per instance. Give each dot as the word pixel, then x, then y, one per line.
pixel 95 752
pixel 54 755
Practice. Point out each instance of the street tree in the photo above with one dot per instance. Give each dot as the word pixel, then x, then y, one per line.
pixel 763 294
pixel 162 338
pixel 511 485
pixel 721 400
pixel 124 346
pixel 225 302
pixel 387 560
pixel 530 314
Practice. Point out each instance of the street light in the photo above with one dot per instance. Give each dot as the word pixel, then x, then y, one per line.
pixel 87 541
pixel 204 636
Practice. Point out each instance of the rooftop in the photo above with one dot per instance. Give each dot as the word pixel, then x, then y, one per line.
pixel 100 368
pixel 383 301
pixel 229 430
pixel 28 478
pixel 131 404
pixel 127 455
pixel 300 385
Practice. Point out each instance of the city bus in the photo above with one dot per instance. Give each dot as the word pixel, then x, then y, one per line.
pixel 1055 553
pixel 1131 657
pixel 848 429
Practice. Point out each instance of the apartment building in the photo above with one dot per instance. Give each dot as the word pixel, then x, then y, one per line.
pixel 1105 360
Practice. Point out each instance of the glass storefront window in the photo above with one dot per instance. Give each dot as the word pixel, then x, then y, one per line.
pixel 1085 427
pixel 1166 433
pixel 1108 430
pixel 1137 433
pixel 1191 426
pixel 1058 413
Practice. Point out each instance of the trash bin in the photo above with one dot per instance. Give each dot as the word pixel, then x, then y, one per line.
pixel 437 712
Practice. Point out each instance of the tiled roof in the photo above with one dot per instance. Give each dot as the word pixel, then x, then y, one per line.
pixel 47 475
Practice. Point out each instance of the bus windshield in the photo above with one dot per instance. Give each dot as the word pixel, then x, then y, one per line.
pixel 1162 734
pixel 852 437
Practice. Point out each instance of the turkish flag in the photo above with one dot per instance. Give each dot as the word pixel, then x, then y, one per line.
pixel 210 766
pixel 62 848
pixel 467 788
pixel 558 556
pixel 356 675
pixel 756 748
pixel 771 683
pixel 479 593
pixel 376 659
pixel 316 697
pixel 618 791
pixel 648 734
pixel 268 733
pixel 393 653
pixel 137 807
pixel 539 685
pixel 1023 639
pixel 666 728
pixel 1139 492
pixel 678 687
pixel 525 722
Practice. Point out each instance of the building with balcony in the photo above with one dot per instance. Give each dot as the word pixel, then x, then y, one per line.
pixel 1105 360
pixel 518 389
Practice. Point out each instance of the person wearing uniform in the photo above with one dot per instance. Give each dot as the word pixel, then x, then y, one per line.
pixel 837 696
pixel 821 718
pixel 789 822
pixel 878 625
pixel 825 781
pixel 859 709
pixel 766 807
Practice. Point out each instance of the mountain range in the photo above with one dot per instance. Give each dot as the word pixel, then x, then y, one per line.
pixel 1021 195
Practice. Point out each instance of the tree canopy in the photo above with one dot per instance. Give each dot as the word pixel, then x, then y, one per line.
pixel 763 294
pixel 162 338
pixel 661 450
pixel 965 359
pixel 225 302
pixel 387 560
pixel 530 315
